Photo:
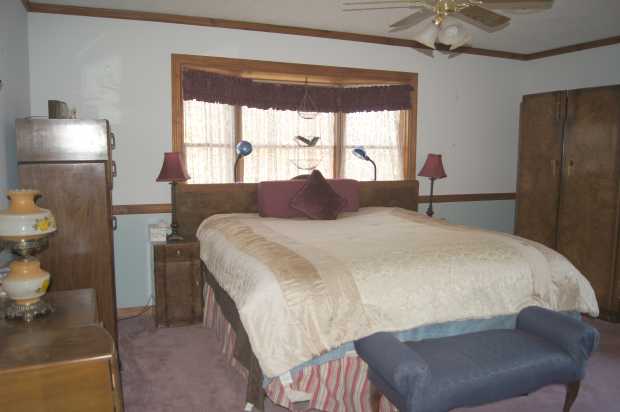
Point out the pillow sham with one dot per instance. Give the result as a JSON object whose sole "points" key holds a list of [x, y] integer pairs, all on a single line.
{"points": [[274, 197], [317, 199]]}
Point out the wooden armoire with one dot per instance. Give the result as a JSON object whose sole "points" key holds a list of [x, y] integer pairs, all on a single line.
{"points": [[568, 195], [69, 162]]}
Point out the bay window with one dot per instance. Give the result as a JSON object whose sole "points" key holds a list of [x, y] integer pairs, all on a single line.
{"points": [[212, 126]]}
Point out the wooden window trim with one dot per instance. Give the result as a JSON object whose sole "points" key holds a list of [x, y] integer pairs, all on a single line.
{"points": [[295, 73]]}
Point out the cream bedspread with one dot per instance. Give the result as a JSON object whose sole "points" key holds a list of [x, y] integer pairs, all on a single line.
{"points": [[304, 287]]}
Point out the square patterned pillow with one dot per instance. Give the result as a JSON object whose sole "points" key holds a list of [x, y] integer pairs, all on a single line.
{"points": [[317, 199]]}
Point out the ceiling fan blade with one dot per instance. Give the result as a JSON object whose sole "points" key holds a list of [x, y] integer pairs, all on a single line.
{"points": [[410, 21], [379, 8], [486, 18], [364, 3]]}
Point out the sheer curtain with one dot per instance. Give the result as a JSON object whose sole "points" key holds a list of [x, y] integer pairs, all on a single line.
{"points": [[381, 134], [277, 155], [209, 137]]}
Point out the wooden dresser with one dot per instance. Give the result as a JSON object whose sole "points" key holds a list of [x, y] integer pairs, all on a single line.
{"points": [[178, 282], [69, 162], [62, 362]]}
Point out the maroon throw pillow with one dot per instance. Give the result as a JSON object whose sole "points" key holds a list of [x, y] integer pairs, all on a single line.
{"points": [[317, 199]]}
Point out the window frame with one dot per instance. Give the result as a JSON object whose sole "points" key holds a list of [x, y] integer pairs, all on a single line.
{"points": [[296, 73]]}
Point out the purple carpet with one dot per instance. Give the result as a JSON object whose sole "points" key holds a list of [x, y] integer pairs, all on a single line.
{"points": [[181, 369]]}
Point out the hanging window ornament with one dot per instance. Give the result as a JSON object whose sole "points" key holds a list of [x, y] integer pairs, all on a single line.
{"points": [[307, 109], [308, 153]]}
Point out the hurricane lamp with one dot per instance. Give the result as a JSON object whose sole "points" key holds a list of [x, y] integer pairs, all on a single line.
{"points": [[25, 228]]}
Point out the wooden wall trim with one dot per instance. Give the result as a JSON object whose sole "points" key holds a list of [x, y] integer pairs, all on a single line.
{"points": [[251, 26], [36, 7], [574, 48], [141, 209], [473, 197], [124, 313], [151, 208]]}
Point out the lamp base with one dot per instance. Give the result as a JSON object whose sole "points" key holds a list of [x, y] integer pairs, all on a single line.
{"points": [[174, 237], [28, 311]]}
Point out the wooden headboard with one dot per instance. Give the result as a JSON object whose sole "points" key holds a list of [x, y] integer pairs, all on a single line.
{"points": [[194, 203]]}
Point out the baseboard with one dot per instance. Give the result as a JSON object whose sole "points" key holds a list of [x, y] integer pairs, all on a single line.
{"points": [[124, 313]]}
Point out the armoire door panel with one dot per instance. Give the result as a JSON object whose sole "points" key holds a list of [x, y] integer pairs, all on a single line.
{"points": [[540, 156], [588, 216], [80, 252]]}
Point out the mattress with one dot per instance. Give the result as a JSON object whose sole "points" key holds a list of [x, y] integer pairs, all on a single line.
{"points": [[304, 287]]}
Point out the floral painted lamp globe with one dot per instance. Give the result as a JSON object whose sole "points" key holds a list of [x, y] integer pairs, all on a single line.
{"points": [[25, 227]]}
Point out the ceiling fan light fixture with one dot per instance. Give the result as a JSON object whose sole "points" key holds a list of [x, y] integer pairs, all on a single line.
{"points": [[428, 36], [464, 41], [451, 34]]}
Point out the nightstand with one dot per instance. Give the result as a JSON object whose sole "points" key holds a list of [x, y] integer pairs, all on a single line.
{"points": [[178, 284]]}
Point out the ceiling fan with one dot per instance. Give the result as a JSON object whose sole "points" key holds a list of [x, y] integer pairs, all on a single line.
{"points": [[450, 34]]}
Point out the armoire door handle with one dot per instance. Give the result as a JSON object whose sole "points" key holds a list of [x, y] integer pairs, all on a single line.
{"points": [[570, 168]]}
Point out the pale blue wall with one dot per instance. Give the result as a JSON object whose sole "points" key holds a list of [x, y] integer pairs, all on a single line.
{"points": [[134, 257], [493, 215]]}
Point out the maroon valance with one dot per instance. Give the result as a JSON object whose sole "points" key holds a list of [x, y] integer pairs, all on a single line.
{"points": [[237, 91]]}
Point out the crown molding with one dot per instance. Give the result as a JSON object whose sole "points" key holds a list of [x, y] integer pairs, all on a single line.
{"points": [[36, 7], [609, 41], [251, 26]]}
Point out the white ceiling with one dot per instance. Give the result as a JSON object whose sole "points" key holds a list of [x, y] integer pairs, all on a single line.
{"points": [[568, 22]]}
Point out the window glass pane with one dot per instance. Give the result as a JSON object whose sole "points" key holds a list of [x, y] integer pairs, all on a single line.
{"points": [[277, 154], [380, 134], [209, 137]]}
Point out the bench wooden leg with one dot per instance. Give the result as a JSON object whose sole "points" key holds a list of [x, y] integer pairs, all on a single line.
{"points": [[375, 398], [572, 390]]}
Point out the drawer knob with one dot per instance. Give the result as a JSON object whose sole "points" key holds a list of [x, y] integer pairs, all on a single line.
{"points": [[178, 252]]}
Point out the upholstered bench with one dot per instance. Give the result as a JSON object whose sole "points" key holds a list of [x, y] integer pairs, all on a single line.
{"points": [[437, 375]]}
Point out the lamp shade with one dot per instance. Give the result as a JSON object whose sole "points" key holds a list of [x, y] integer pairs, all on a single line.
{"points": [[360, 153], [173, 169], [24, 219], [452, 34], [243, 148], [433, 167], [428, 36]]}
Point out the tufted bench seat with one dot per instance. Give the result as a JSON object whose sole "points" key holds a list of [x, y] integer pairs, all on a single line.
{"points": [[437, 375]]}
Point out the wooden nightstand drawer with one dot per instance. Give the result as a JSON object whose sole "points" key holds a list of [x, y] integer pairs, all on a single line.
{"points": [[178, 284], [180, 252]]}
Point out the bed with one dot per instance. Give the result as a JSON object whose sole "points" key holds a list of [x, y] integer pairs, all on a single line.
{"points": [[290, 295]]}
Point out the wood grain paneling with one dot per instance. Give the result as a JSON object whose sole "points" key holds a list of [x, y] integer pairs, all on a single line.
{"points": [[79, 256], [138, 209], [141, 209], [178, 284], [540, 155], [589, 198], [37, 7]]}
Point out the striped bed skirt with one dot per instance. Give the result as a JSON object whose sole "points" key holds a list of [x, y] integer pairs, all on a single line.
{"points": [[339, 385]]}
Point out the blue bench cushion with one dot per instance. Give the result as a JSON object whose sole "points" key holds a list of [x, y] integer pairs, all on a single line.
{"points": [[483, 367]]}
